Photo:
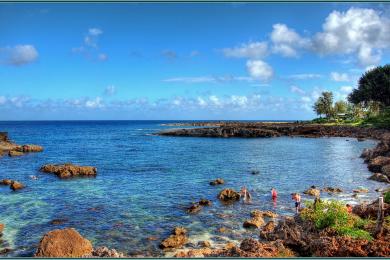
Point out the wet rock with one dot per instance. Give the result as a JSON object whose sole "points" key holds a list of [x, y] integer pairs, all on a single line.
{"points": [[332, 190], [194, 208], [58, 221], [386, 170], [15, 185], [1, 229], [6, 182], [204, 202], [106, 252], [268, 228], [360, 190], [312, 192], [63, 243], [379, 177], [69, 170], [255, 222], [218, 181], [176, 240], [152, 238], [255, 172], [376, 164], [204, 244], [14, 153], [29, 148], [229, 195]]}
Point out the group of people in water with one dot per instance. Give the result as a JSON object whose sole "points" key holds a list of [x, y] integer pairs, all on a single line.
{"points": [[296, 197]]}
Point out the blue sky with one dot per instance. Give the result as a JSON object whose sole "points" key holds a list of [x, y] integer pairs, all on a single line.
{"points": [[183, 60]]}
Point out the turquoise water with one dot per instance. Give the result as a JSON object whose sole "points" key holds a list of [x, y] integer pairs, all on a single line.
{"points": [[145, 182]]}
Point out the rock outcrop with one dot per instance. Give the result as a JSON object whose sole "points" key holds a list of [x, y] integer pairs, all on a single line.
{"points": [[176, 240], [194, 208], [229, 195], [379, 177], [312, 192], [69, 170], [12, 149], [15, 185], [218, 181], [14, 153], [332, 190], [204, 202], [64, 243]]}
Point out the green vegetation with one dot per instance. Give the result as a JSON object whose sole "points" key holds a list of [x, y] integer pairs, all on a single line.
{"points": [[369, 104], [333, 214], [387, 197]]}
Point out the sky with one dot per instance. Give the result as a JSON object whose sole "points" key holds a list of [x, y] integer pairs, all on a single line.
{"points": [[184, 61]]}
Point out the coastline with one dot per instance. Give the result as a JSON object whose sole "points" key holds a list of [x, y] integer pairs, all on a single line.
{"points": [[296, 130]]}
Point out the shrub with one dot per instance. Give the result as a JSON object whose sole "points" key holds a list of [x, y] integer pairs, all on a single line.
{"points": [[387, 197], [333, 214]]}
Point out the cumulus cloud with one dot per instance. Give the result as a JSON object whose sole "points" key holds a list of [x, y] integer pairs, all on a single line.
{"points": [[346, 89], [18, 55], [251, 50], [286, 41], [361, 31], [209, 79], [259, 70], [339, 77]]}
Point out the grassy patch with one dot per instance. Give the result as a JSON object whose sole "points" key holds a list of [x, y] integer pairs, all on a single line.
{"points": [[333, 214]]}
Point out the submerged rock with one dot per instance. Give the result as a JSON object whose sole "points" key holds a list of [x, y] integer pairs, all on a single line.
{"points": [[229, 195], [255, 172], [218, 181], [177, 239], [204, 202], [194, 208], [69, 170], [58, 221], [254, 222], [63, 243]]}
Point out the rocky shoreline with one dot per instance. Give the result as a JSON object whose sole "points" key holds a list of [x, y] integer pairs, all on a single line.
{"points": [[282, 236]]}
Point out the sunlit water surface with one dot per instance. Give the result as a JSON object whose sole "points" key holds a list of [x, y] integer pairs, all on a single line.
{"points": [[145, 181]]}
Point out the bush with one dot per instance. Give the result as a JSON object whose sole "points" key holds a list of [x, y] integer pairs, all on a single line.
{"points": [[387, 197], [333, 214]]}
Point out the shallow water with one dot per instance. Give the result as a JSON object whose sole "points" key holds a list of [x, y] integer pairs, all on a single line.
{"points": [[145, 182]]}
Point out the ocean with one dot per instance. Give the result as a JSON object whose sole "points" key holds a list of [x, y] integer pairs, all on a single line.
{"points": [[145, 182]]}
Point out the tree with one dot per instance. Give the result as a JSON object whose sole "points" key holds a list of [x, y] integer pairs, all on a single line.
{"points": [[340, 107], [324, 105], [374, 85]]}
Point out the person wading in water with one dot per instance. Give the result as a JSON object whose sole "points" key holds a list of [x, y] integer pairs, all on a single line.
{"points": [[245, 195], [297, 198]]}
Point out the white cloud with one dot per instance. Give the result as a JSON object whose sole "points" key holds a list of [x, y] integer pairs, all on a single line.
{"points": [[298, 90], [90, 47], [209, 79], [94, 103], [359, 31], [339, 77], [304, 76], [251, 50], [286, 41], [259, 70], [18, 55], [110, 90]]}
